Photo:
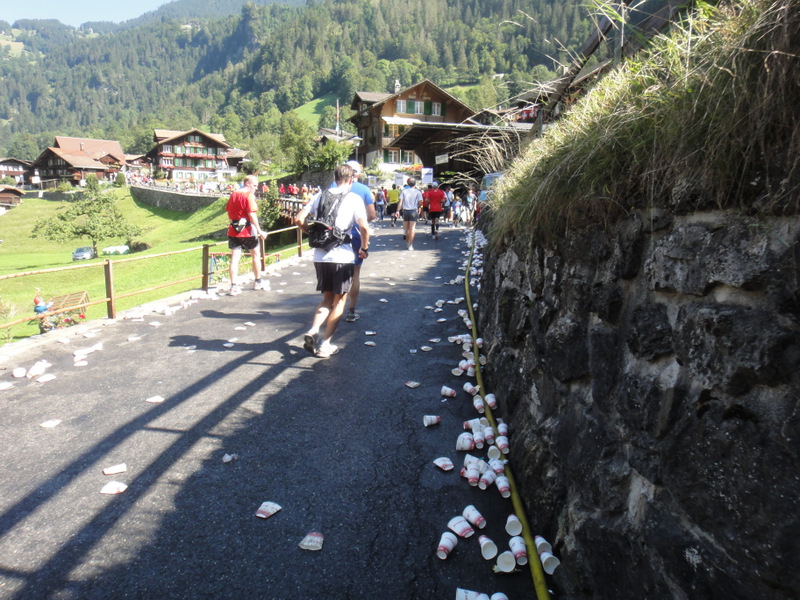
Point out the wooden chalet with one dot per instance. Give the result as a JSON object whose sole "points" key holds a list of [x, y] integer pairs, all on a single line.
{"points": [[73, 159], [9, 197], [382, 118], [14, 168], [192, 155]]}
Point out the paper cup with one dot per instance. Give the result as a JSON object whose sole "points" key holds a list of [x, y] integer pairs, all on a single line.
{"points": [[497, 465], [460, 527], [470, 371], [487, 479], [470, 389], [513, 525], [502, 443], [549, 562], [488, 435], [542, 545], [488, 548], [491, 400], [518, 549], [448, 392], [503, 486], [506, 562], [472, 515], [479, 439], [465, 441], [494, 452], [429, 420], [499, 596], [473, 474], [447, 542], [472, 424], [477, 402], [502, 428]]}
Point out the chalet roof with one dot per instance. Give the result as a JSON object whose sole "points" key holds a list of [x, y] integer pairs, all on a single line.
{"points": [[10, 159], [237, 153], [370, 97], [10, 189], [163, 136], [330, 134], [89, 147], [415, 135], [424, 83], [79, 161]]}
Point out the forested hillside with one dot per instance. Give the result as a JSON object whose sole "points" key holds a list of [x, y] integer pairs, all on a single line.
{"points": [[237, 75]]}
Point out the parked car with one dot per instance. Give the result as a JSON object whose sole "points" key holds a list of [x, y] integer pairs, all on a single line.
{"points": [[84, 253], [486, 183]]}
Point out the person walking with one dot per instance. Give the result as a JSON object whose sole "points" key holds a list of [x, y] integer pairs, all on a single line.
{"points": [[380, 202], [393, 196], [335, 267], [436, 199], [410, 201], [243, 233]]}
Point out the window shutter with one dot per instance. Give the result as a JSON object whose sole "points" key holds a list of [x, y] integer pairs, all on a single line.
{"points": [[428, 107], [385, 130], [443, 105], [386, 155]]}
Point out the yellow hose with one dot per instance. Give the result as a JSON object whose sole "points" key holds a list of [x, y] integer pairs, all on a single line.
{"points": [[537, 572]]}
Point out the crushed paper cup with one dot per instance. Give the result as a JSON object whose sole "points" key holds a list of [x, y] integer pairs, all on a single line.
{"points": [[240, 328], [444, 463], [50, 423], [116, 469], [228, 345], [19, 372], [383, 300], [267, 509], [312, 541], [370, 333], [155, 399], [370, 343], [428, 308], [412, 384], [114, 487], [435, 340], [426, 348], [6, 385], [429, 420], [465, 442], [230, 457], [80, 363], [442, 320], [154, 324], [45, 378], [457, 372]]}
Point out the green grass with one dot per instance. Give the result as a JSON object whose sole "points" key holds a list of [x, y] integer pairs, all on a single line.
{"points": [[311, 111], [163, 230]]}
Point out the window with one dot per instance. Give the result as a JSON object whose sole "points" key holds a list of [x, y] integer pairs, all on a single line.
{"points": [[408, 157], [178, 162], [210, 164], [436, 109], [394, 156], [419, 107], [401, 106], [166, 162], [167, 148]]}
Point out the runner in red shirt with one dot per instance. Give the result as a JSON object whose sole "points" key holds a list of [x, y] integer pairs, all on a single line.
{"points": [[435, 204]]}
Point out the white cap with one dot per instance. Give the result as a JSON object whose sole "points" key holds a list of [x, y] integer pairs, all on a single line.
{"points": [[355, 165]]}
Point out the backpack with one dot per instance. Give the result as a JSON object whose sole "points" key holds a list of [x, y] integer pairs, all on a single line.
{"points": [[322, 231]]}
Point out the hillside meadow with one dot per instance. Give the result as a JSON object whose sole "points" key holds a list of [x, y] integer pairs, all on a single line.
{"points": [[163, 230]]}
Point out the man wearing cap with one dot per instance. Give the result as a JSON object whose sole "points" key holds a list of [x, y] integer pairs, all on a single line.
{"points": [[335, 267], [410, 200], [363, 192]]}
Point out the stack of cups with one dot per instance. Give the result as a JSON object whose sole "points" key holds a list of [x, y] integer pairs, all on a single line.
{"points": [[549, 562]]}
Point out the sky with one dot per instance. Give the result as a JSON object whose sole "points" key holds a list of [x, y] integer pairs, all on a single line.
{"points": [[75, 12]]}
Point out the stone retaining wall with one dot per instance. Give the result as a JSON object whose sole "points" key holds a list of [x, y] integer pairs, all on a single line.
{"points": [[172, 200], [650, 377]]}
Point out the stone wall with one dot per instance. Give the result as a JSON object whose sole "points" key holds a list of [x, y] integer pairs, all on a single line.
{"points": [[650, 377], [172, 200]]}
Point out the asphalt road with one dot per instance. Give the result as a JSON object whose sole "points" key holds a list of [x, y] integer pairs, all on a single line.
{"points": [[339, 444]]}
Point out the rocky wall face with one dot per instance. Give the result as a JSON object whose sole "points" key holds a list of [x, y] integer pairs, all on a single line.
{"points": [[650, 374]]}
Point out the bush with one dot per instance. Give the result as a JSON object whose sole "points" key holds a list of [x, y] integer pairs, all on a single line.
{"points": [[120, 180]]}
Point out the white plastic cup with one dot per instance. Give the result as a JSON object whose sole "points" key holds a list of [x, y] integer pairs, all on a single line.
{"points": [[460, 527], [502, 428], [491, 400], [502, 443], [448, 392], [499, 596], [469, 388], [469, 459], [465, 441], [487, 479], [473, 515], [470, 371], [488, 548], [488, 435], [479, 342], [513, 525], [496, 465], [494, 452], [473, 474], [503, 486], [506, 562], [447, 542], [542, 545], [472, 424], [429, 420], [477, 402], [479, 439], [462, 594], [549, 562], [518, 549]]}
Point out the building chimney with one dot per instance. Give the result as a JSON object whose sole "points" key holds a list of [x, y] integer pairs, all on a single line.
{"points": [[81, 146], [396, 85]]}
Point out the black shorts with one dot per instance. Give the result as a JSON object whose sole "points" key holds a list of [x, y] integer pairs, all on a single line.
{"points": [[246, 243], [334, 277], [410, 215], [434, 214]]}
